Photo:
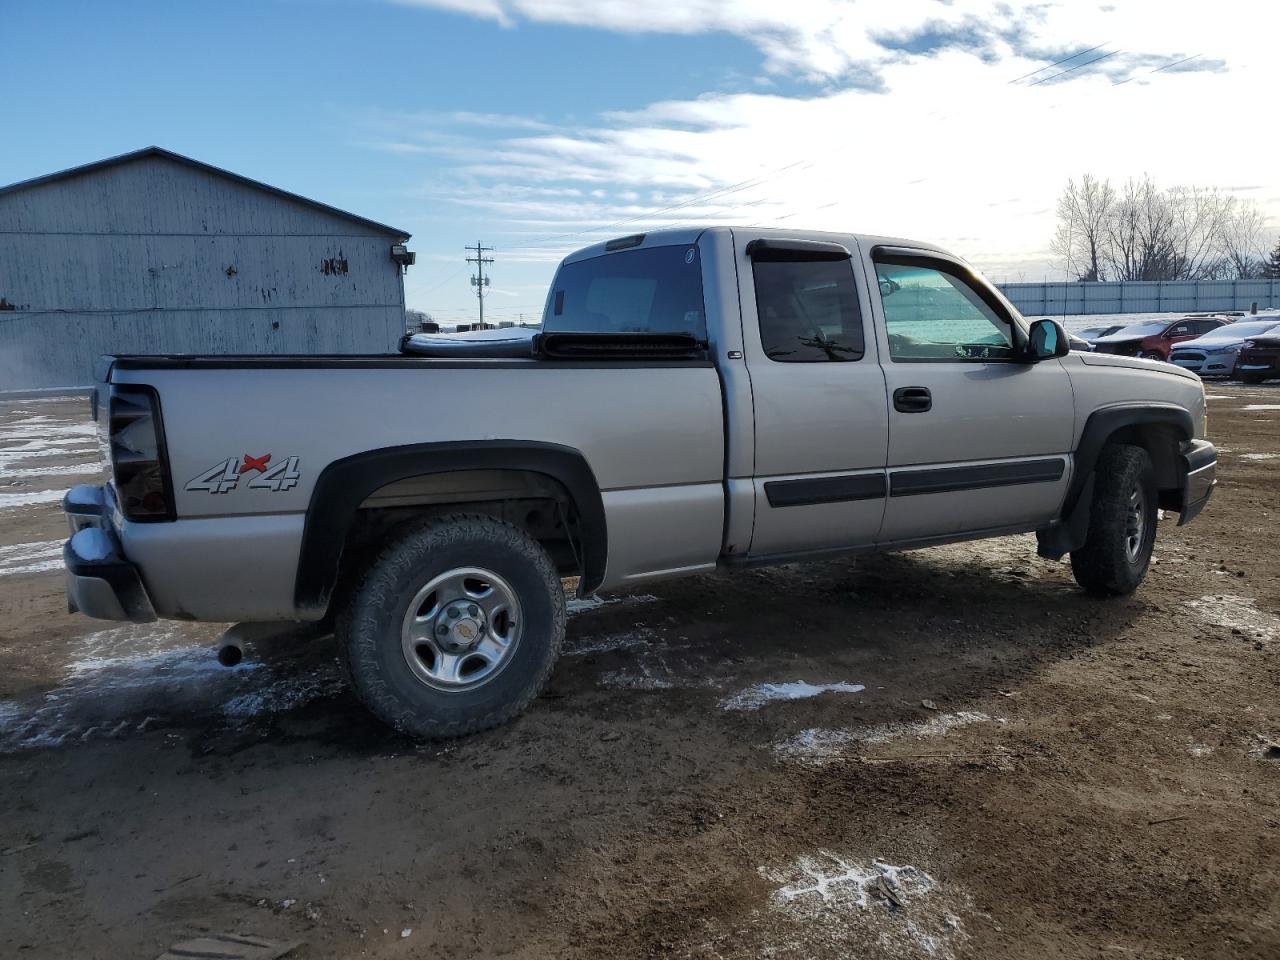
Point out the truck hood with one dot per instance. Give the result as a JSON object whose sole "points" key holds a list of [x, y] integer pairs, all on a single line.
{"points": [[1134, 363]]}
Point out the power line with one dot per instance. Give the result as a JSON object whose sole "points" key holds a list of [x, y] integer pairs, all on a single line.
{"points": [[1158, 69], [1078, 66], [1057, 62]]}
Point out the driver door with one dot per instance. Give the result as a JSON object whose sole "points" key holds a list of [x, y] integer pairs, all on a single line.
{"points": [[978, 438]]}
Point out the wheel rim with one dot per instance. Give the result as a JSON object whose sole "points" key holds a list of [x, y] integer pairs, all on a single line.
{"points": [[461, 629], [1135, 525]]}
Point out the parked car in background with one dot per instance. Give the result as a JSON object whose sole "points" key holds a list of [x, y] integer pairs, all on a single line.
{"points": [[1214, 354], [1078, 342], [1259, 359], [1093, 333], [1154, 340]]}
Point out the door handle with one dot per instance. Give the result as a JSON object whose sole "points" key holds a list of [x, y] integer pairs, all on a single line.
{"points": [[912, 400]]}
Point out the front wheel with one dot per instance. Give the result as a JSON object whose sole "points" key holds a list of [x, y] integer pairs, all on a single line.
{"points": [[1252, 378], [1150, 355], [454, 627], [1122, 523]]}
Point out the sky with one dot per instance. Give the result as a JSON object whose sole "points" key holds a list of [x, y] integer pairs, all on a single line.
{"points": [[541, 126]]}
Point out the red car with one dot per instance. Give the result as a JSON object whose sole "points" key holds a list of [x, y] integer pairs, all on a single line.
{"points": [[1260, 359], [1153, 340]]}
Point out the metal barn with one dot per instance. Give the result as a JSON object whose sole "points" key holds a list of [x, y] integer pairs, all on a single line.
{"points": [[153, 252]]}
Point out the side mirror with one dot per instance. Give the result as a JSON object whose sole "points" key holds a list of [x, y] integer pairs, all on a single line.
{"points": [[1045, 340]]}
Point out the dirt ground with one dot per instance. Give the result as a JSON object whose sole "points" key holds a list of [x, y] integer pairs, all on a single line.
{"points": [[1002, 767]]}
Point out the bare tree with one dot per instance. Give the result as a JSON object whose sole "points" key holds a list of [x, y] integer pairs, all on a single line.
{"points": [[1141, 232], [1241, 244], [1083, 215], [1200, 215]]}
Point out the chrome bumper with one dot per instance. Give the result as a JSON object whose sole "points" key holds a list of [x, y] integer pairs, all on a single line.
{"points": [[101, 583]]}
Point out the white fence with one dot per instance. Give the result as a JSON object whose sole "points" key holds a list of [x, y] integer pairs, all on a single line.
{"points": [[1142, 296]]}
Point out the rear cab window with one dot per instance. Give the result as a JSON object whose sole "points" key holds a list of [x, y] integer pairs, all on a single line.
{"points": [[808, 311], [644, 290]]}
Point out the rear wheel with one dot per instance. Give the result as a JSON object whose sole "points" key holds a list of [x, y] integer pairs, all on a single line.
{"points": [[1254, 378], [454, 627], [1122, 523]]}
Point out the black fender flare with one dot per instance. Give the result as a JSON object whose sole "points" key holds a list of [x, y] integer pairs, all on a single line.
{"points": [[345, 484], [1069, 532]]}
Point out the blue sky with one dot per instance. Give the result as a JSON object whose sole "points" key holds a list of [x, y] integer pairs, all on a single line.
{"points": [[532, 124]]}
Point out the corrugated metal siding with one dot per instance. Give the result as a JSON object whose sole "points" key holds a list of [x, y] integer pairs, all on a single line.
{"points": [[1142, 296], [155, 257]]}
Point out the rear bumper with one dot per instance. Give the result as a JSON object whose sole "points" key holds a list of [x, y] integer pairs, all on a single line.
{"points": [[101, 583], [1200, 463]]}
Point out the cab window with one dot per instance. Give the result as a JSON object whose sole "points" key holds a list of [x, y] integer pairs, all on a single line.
{"points": [[808, 311], [935, 315], [647, 290]]}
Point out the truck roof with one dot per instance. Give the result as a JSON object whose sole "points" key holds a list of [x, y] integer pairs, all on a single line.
{"points": [[690, 235]]}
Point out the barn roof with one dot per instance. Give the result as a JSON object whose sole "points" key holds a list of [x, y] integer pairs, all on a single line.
{"points": [[161, 153]]}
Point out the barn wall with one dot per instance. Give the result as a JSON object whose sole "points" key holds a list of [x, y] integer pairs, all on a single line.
{"points": [[155, 257]]}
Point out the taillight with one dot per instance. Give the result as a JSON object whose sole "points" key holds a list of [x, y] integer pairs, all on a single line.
{"points": [[138, 460]]}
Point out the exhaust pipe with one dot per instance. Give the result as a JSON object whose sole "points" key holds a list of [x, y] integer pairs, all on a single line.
{"points": [[253, 637], [230, 654]]}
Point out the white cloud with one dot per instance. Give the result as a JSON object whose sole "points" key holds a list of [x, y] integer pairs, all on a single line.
{"points": [[919, 126]]}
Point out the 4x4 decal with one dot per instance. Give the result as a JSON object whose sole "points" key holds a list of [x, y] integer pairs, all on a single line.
{"points": [[225, 476]]}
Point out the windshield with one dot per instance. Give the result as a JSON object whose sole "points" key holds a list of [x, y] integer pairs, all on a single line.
{"points": [[649, 290], [1240, 331], [1138, 330]]}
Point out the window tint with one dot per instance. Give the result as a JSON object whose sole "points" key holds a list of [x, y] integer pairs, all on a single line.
{"points": [[808, 311], [932, 315], [650, 290]]}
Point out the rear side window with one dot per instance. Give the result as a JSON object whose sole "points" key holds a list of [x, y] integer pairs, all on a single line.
{"points": [[808, 311], [650, 290]]}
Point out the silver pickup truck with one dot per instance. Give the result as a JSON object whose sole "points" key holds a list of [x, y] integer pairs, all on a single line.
{"points": [[696, 399]]}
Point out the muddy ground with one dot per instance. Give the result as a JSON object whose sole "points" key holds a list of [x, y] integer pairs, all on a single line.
{"points": [[1004, 768]]}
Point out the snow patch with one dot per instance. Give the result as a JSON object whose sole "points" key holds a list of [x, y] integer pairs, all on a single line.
{"points": [[46, 428], [819, 745], [72, 470], [609, 642], [31, 498], [125, 680], [1236, 613], [1262, 406], [576, 605], [34, 557], [901, 909], [1259, 456], [753, 698], [284, 693], [645, 679]]}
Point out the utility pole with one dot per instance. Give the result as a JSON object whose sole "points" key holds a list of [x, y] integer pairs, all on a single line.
{"points": [[479, 280]]}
